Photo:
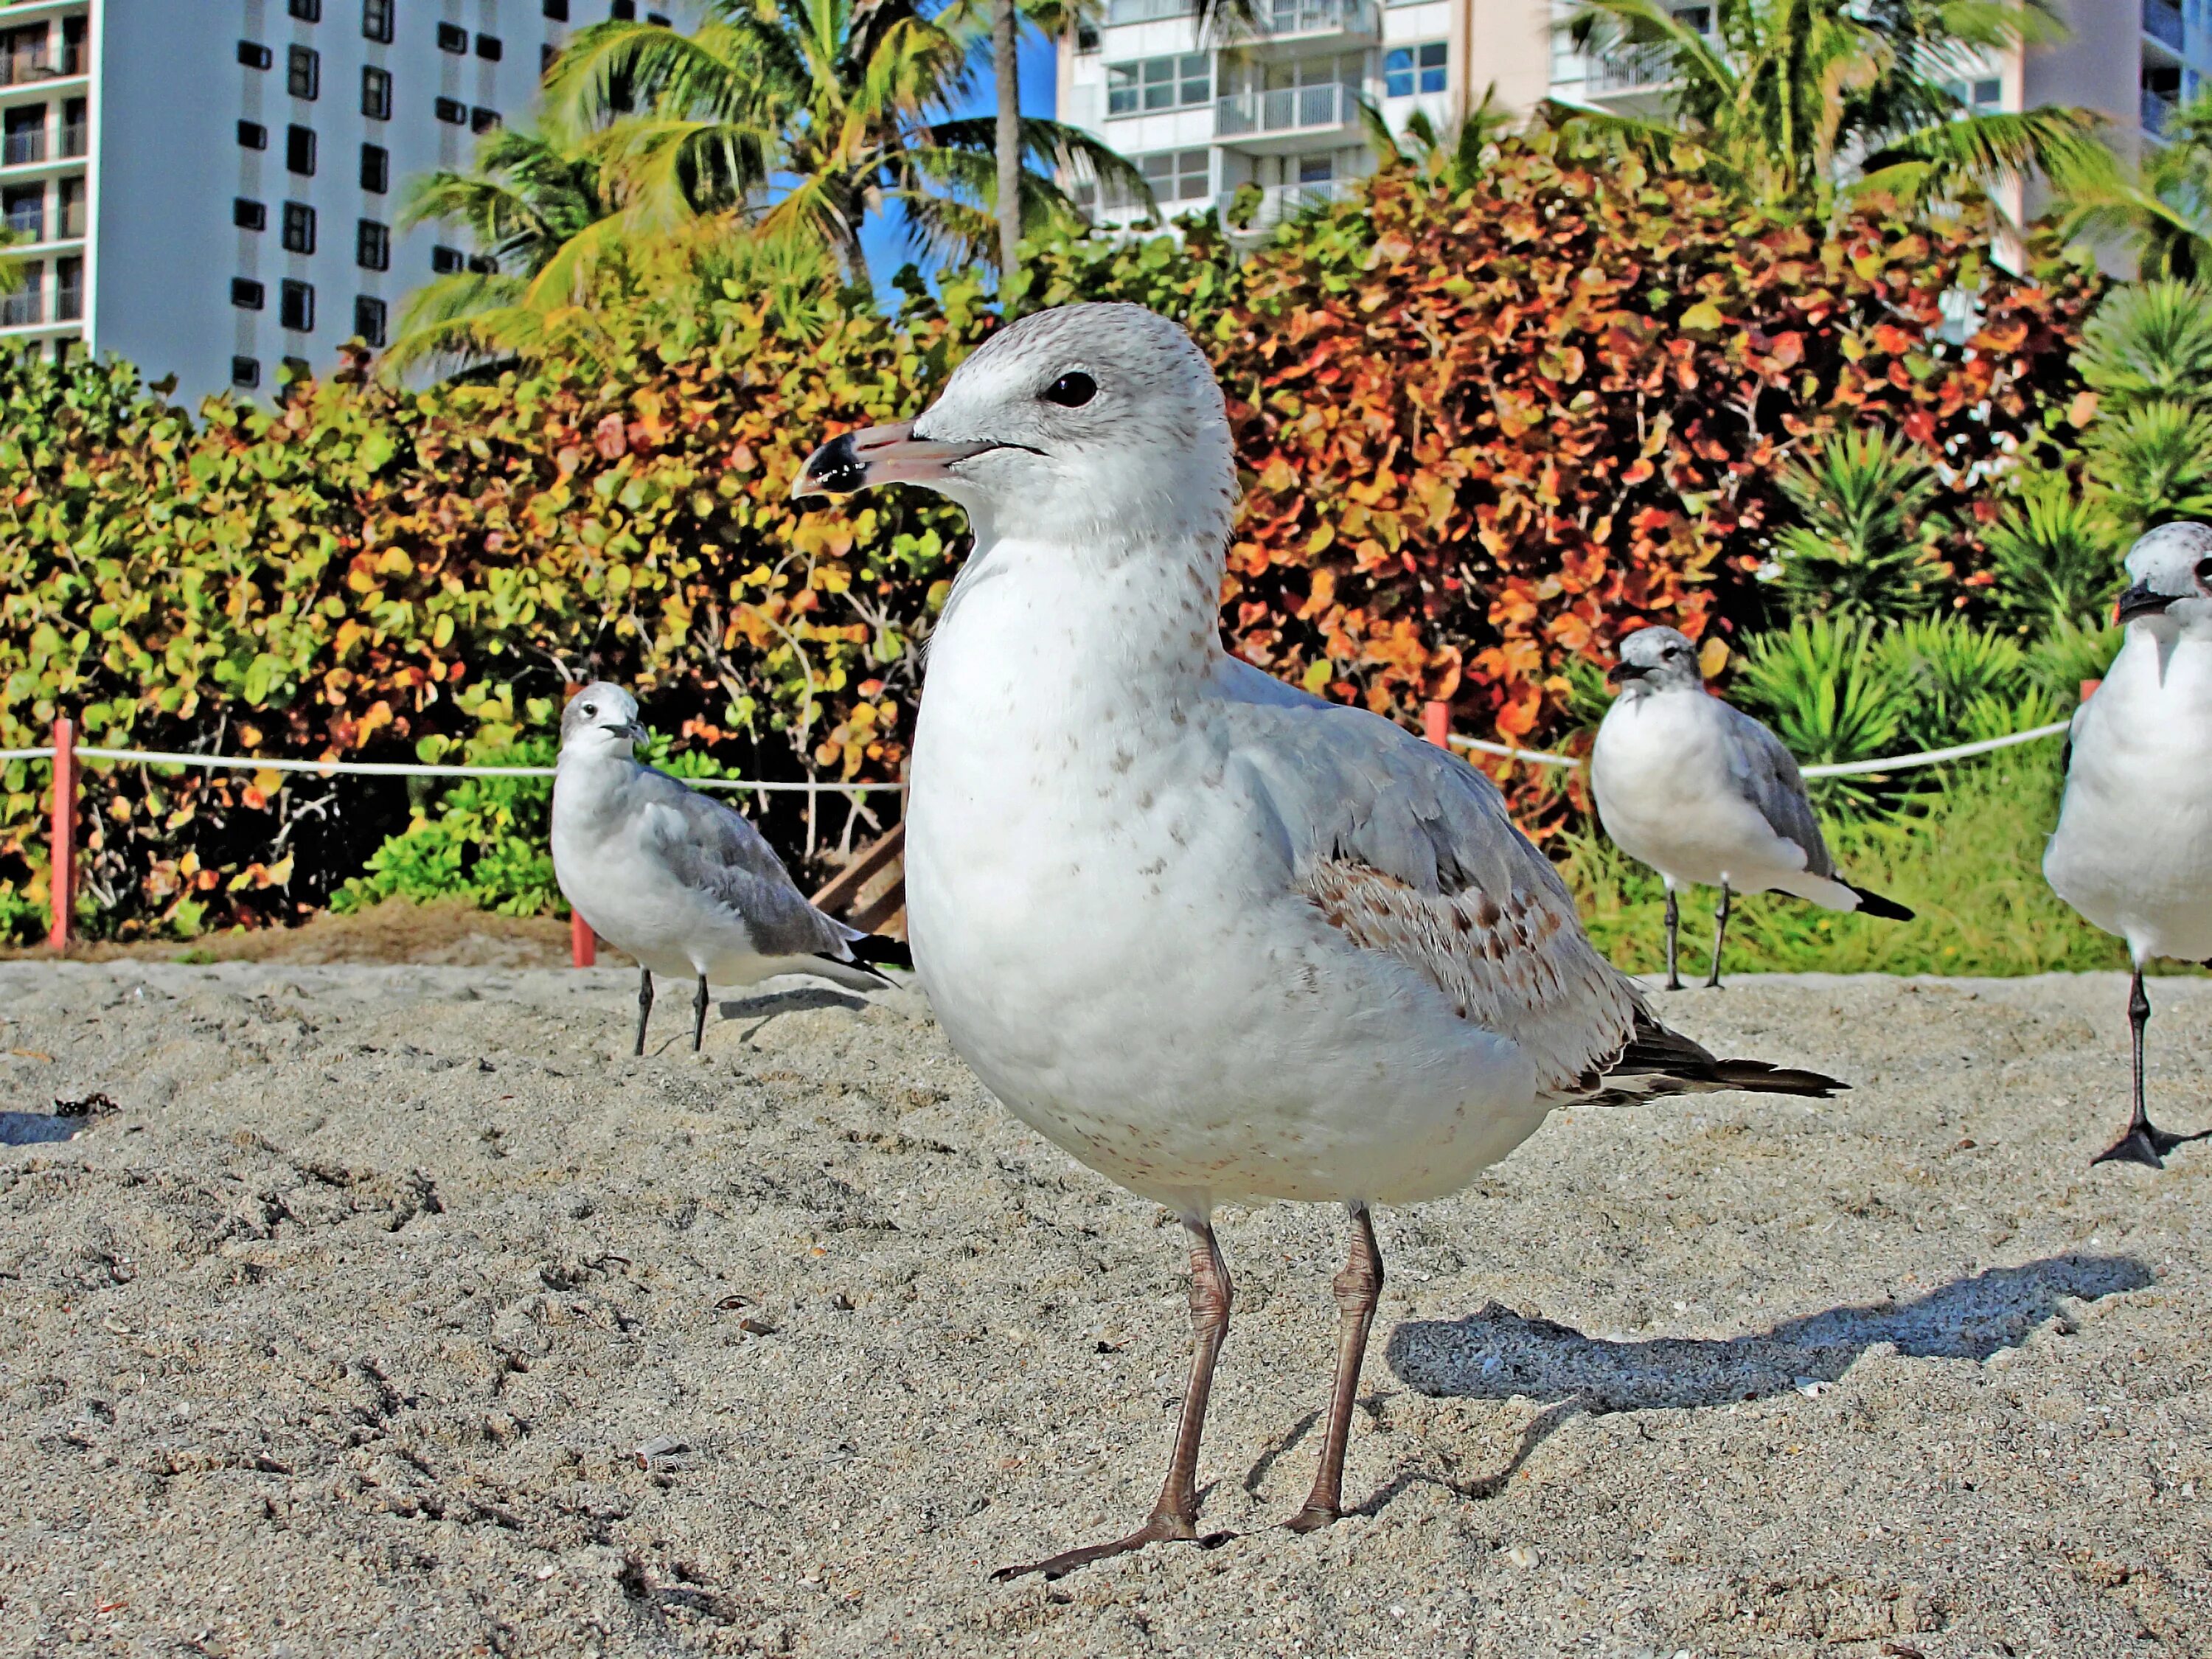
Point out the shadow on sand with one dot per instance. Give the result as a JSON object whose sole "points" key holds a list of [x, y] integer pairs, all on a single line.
{"points": [[1496, 1353]]}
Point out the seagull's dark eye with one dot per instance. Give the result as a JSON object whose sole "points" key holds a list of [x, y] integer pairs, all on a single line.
{"points": [[2205, 570], [1072, 390], [591, 711]]}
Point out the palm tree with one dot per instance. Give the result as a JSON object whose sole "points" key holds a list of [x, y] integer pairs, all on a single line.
{"points": [[1450, 158], [1784, 97], [2162, 209], [801, 117]]}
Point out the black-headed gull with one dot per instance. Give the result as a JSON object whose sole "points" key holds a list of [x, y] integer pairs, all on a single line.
{"points": [[1703, 792], [1218, 939], [2133, 848], [676, 879]]}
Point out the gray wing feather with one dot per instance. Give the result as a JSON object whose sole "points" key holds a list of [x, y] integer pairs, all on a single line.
{"points": [[715, 852], [1409, 850], [1766, 774]]}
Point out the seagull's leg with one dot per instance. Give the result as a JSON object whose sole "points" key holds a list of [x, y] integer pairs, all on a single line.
{"points": [[644, 1004], [1720, 933], [1358, 1288], [699, 1016], [1674, 935], [2144, 1142], [1175, 1517]]}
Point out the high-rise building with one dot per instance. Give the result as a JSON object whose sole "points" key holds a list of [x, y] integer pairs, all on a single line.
{"points": [[210, 188], [1281, 108]]}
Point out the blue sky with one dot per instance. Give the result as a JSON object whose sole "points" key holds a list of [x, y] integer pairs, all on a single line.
{"points": [[886, 248]]}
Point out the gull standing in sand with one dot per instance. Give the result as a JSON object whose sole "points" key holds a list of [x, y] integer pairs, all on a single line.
{"points": [[678, 880], [1701, 792], [2133, 848], [1218, 939]]}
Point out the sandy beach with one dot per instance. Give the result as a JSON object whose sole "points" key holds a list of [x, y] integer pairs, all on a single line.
{"points": [[400, 1311]]}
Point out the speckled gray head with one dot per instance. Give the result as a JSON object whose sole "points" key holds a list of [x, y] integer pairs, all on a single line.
{"points": [[1082, 423], [1657, 659], [2171, 567], [601, 719]]}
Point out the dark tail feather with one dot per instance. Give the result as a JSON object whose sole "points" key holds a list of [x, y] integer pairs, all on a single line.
{"points": [[881, 951], [1875, 904], [1757, 1077], [1657, 1062]]}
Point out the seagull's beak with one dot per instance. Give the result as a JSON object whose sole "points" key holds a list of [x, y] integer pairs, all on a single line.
{"points": [[1621, 672], [633, 730], [2142, 600], [881, 455]]}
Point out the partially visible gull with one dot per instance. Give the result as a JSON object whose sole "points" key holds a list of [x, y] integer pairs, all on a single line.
{"points": [[2133, 848], [676, 879], [1218, 939], [1701, 792]]}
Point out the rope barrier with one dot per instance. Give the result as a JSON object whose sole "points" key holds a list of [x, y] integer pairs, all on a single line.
{"points": [[1832, 769], [398, 768]]}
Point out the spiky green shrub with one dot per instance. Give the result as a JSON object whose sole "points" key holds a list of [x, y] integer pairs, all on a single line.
{"points": [[2054, 554], [1866, 543]]}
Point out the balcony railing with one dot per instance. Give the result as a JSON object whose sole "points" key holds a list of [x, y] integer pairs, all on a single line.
{"points": [[27, 223], [74, 134], [1281, 202], [27, 304], [1285, 109], [1147, 11], [2162, 22], [1278, 19], [2157, 111], [69, 291], [18, 148], [1626, 71]]}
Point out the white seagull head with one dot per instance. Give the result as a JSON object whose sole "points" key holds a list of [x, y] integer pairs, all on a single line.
{"points": [[1083, 425], [1657, 659], [2171, 572], [600, 720]]}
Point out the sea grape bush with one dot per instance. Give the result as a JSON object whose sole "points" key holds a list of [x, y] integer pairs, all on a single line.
{"points": [[1482, 434]]}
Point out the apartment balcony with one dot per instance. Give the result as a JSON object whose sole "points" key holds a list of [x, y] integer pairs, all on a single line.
{"points": [[1624, 74], [22, 150], [2156, 110], [1286, 118], [1302, 23], [1119, 12], [1280, 202], [2161, 21]]}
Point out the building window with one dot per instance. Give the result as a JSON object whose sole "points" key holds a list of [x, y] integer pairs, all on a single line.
{"points": [[452, 112], [307, 11], [368, 320], [1176, 175], [73, 58], [25, 136], [69, 290], [27, 304], [372, 246], [623, 11], [25, 207], [658, 18], [376, 22], [1086, 37], [1409, 69], [375, 169], [482, 119], [247, 214], [295, 369], [484, 264], [375, 92], [23, 56], [453, 37], [252, 135], [1158, 84], [447, 260], [245, 372], [303, 72], [76, 127], [557, 10], [75, 220], [247, 294], [488, 48], [295, 306], [254, 55], [300, 151], [548, 55], [1316, 169], [299, 228]]}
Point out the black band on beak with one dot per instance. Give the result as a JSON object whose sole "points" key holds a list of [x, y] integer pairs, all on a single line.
{"points": [[1621, 672], [2142, 600], [835, 469]]}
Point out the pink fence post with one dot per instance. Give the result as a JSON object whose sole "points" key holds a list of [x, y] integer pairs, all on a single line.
{"points": [[64, 878], [2089, 689], [1436, 722], [583, 943]]}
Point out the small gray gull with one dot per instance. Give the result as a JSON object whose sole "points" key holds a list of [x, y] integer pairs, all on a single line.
{"points": [[1701, 792], [1218, 939], [2133, 848], [676, 879]]}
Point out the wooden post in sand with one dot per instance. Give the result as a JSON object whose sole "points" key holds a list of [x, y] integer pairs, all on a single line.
{"points": [[62, 880], [583, 943], [1436, 722]]}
